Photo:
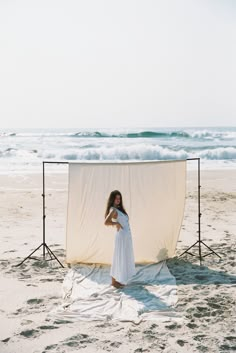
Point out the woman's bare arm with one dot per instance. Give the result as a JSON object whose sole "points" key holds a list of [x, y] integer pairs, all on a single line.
{"points": [[108, 220]]}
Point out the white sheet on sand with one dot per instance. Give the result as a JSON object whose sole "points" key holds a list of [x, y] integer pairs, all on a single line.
{"points": [[87, 294]]}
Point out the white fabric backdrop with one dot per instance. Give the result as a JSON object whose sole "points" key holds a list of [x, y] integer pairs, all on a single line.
{"points": [[153, 195]]}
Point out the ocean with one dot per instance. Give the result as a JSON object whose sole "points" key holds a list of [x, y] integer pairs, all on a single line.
{"points": [[23, 150]]}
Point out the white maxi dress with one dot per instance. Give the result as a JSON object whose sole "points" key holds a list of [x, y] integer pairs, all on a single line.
{"points": [[123, 263]]}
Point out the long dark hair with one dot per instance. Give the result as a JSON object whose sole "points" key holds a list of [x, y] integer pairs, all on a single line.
{"points": [[111, 200]]}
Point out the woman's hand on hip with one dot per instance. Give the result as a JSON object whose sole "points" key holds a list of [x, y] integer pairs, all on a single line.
{"points": [[118, 226]]}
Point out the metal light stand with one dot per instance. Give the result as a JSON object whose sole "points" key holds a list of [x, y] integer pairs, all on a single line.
{"points": [[199, 241], [44, 245]]}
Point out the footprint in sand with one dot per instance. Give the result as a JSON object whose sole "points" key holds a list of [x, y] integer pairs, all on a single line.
{"points": [[30, 333], [34, 301]]}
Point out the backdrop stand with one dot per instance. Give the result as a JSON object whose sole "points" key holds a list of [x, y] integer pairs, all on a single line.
{"points": [[44, 245], [53, 256], [199, 241]]}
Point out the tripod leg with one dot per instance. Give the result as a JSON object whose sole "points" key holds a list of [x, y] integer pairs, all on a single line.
{"points": [[29, 255], [49, 250], [210, 248], [188, 249]]}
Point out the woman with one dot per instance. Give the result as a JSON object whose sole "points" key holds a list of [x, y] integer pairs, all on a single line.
{"points": [[123, 265]]}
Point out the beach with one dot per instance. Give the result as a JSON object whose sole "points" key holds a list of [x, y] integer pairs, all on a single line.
{"points": [[206, 293], [97, 82]]}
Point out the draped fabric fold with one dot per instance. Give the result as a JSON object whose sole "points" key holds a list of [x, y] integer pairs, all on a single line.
{"points": [[88, 295]]}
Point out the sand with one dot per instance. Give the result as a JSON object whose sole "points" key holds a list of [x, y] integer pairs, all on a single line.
{"points": [[206, 292]]}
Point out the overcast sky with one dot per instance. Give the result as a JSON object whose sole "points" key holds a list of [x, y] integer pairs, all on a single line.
{"points": [[95, 63]]}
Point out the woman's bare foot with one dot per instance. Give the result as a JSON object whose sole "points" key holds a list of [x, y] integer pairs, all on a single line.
{"points": [[116, 283]]}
